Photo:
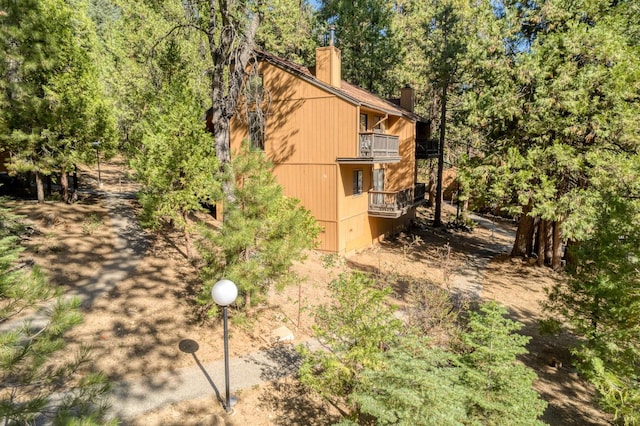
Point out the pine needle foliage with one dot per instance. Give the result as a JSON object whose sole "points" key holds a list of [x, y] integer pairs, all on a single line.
{"points": [[38, 381], [378, 371], [480, 383], [176, 161], [263, 233], [353, 331], [417, 386], [601, 301], [53, 103], [499, 387]]}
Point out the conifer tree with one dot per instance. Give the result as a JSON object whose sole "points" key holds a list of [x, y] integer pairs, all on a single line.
{"points": [[52, 97], [288, 29], [601, 302], [567, 104], [355, 331], [263, 233], [417, 385], [367, 40], [373, 367], [175, 161], [498, 386]]}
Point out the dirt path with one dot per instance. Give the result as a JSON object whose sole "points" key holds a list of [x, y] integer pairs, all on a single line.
{"points": [[129, 247], [466, 283]]}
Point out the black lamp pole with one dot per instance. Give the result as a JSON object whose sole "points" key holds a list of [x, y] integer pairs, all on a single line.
{"points": [[224, 292], [227, 404]]}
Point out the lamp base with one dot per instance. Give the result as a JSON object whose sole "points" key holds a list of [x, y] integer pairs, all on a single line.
{"points": [[232, 402]]}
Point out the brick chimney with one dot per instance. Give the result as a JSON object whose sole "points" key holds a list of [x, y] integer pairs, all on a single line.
{"points": [[329, 62], [407, 97]]}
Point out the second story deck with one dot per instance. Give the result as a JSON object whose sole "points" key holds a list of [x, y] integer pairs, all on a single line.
{"points": [[374, 147], [393, 204]]}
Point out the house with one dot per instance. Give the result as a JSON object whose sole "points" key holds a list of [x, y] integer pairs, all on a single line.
{"points": [[348, 155]]}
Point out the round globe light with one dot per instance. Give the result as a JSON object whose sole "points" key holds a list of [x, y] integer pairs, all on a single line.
{"points": [[224, 292]]}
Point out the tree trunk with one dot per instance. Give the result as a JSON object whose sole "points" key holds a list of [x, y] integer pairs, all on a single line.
{"points": [[557, 244], [432, 186], [570, 260], [542, 237], [75, 178], [524, 234], [531, 245], [64, 183], [187, 237], [231, 35], [437, 217], [39, 188], [548, 243], [222, 138]]}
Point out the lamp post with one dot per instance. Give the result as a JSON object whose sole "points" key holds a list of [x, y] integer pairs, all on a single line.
{"points": [[96, 145], [224, 292]]}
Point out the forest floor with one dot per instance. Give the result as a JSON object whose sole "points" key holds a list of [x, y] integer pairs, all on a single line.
{"points": [[139, 325]]}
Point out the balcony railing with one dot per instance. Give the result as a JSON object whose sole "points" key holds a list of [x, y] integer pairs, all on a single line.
{"points": [[378, 145], [396, 203], [426, 148]]}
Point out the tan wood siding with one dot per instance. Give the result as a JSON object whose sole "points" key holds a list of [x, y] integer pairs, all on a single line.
{"points": [[402, 175], [356, 233], [349, 204], [313, 185], [328, 238]]}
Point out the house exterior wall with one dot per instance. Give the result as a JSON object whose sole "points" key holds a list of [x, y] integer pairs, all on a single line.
{"points": [[353, 226], [304, 126], [306, 129], [402, 175]]}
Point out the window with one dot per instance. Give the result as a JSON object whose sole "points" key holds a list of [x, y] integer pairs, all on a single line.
{"points": [[378, 187], [379, 124], [256, 130], [364, 122], [357, 182], [255, 88]]}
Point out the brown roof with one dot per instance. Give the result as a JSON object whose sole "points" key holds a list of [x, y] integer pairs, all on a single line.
{"points": [[347, 91], [283, 63]]}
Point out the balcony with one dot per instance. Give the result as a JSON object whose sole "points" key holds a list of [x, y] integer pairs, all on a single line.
{"points": [[426, 148], [375, 147], [393, 204]]}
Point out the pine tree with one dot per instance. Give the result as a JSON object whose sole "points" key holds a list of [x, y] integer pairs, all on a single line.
{"points": [[367, 40], [417, 385], [446, 43], [50, 88], [601, 302], [567, 104], [288, 29], [499, 387], [175, 161], [413, 382], [355, 331], [263, 233]]}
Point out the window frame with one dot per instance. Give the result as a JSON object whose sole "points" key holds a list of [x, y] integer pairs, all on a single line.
{"points": [[364, 126], [358, 182], [379, 126], [255, 127]]}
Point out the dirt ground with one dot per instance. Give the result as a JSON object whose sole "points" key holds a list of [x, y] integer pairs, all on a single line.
{"points": [[136, 328]]}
